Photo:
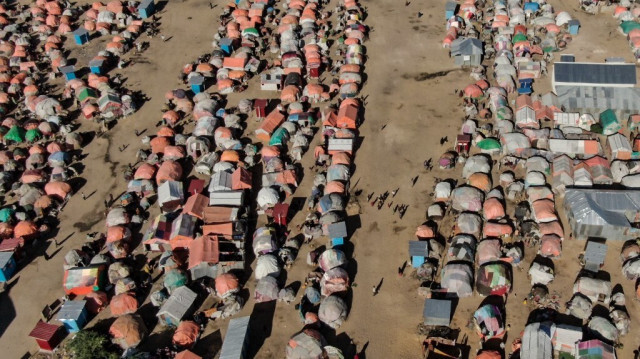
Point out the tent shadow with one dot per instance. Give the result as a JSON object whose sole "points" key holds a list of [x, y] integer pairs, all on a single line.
{"points": [[261, 324], [8, 309], [209, 346]]}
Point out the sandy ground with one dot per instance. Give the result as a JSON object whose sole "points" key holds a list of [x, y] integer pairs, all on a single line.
{"points": [[409, 88]]}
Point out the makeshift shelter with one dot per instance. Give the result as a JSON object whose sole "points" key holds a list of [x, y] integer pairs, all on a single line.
{"points": [[457, 278], [177, 307], [437, 312], [493, 278], [48, 336], [124, 303], [467, 199], [8, 266], [332, 311], [74, 315], [128, 331], [489, 322], [565, 337], [83, 280], [536, 341], [609, 122], [594, 289], [594, 256], [467, 51], [594, 348], [235, 344], [186, 334], [419, 252], [603, 213], [619, 146], [307, 344], [182, 231], [170, 195]]}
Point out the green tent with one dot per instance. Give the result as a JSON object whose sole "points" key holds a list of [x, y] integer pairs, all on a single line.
{"points": [[85, 93], [33, 135], [609, 122], [489, 144], [279, 137], [252, 31], [174, 279], [6, 214], [15, 134], [627, 26], [519, 37]]}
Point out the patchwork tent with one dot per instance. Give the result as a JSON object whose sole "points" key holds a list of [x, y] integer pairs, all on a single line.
{"points": [[457, 278], [493, 278], [489, 322]]}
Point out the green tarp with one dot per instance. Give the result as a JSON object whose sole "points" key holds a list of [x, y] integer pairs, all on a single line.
{"points": [[627, 26], [33, 135], [174, 279], [489, 144], [279, 137], [15, 134], [609, 122], [6, 214], [86, 93], [519, 37]]}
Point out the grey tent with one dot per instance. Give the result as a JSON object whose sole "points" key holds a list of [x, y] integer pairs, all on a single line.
{"points": [[177, 306], [332, 311], [536, 341], [266, 289], [437, 312], [457, 278], [307, 344]]}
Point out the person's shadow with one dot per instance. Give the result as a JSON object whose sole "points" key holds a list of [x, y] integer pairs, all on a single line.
{"points": [[362, 353]]}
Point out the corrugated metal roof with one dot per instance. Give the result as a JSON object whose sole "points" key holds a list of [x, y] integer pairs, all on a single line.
{"points": [[466, 46], [234, 340], [71, 310], [437, 312], [179, 303], [594, 99], [536, 341], [419, 248], [595, 252], [337, 230], [592, 73], [602, 207], [44, 331]]}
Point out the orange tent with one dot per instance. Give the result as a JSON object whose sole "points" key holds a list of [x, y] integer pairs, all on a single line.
{"points": [[25, 229], [186, 334], [145, 171], [290, 93], [195, 205], [553, 227], [217, 214], [165, 131], [493, 229], [171, 118], [270, 151], [241, 179], [225, 229], [59, 190], [273, 120], [481, 181], [31, 176], [473, 91], [124, 303], [186, 354], [172, 152], [158, 144], [203, 249], [347, 117], [544, 210], [492, 209], [489, 354], [334, 187], [341, 158], [118, 233], [230, 156], [225, 283], [424, 231], [169, 171], [550, 245], [54, 147]]}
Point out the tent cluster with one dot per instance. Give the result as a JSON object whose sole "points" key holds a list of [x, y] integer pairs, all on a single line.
{"points": [[323, 301], [628, 15]]}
